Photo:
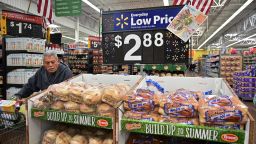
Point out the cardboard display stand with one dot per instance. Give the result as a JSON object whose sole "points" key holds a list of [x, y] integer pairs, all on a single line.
{"points": [[40, 120], [217, 85]]}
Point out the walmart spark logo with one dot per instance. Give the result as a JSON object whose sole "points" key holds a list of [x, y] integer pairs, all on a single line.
{"points": [[122, 21]]}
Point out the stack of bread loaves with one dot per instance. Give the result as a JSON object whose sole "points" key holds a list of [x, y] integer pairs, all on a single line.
{"points": [[178, 107], [80, 97], [71, 135], [222, 111]]}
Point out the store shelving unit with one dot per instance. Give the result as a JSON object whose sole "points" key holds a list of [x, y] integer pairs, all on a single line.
{"points": [[164, 69], [97, 61], [249, 60], [9, 68], [230, 64], [78, 60], [212, 64]]}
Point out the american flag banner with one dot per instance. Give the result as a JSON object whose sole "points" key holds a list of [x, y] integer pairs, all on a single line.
{"points": [[202, 5], [44, 8]]}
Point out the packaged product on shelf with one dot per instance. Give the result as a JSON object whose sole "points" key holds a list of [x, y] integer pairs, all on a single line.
{"points": [[7, 105], [76, 135], [50, 136], [222, 110], [92, 95], [142, 101], [226, 126], [28, 44], [114, 94], [27, 59], [80, 97], [179, 104], [188, 121]]}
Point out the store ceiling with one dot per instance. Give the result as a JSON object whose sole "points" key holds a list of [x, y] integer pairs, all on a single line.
{"points": [[221, 10]]}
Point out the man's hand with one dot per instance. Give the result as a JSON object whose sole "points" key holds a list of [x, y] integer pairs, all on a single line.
{"points": [[22, 101]]}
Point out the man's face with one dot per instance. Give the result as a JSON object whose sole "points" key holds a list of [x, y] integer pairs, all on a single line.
{"points": [[51, 64]]}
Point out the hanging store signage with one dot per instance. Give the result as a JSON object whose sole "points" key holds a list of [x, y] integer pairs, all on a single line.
{"points": [[140, 36], [68, 7], [154, 18], [186, 131], [94, 42], [186, 22], [22, 25], [73, 118]]}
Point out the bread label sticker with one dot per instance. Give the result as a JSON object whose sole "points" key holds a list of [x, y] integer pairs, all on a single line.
{"points": [[229, 138], [102, 123], [220, 101], [223, 116], [39, 114], [179, 110], [132, 126]]}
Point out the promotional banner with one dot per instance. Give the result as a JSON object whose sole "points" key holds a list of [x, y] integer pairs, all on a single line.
{"points": [[186, 22], [155, 18], [140, 36], [73, 118], [184, 130]]}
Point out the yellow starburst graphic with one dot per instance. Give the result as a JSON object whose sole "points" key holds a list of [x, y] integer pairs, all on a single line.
{"points": [[122, 21]]}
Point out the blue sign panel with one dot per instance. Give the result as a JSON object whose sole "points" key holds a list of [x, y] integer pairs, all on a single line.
{"points": [[154, 18]]}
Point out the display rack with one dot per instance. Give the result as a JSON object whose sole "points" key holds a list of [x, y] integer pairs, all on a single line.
{"points": [[78, 60], [98, 67], [212, 65], [184, 131], [229, 65], [164, 69], [249, 60], [42, 119], [19, 63]]}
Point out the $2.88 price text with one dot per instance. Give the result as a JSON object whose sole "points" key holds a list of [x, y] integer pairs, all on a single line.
{"points": [[147, 40]]}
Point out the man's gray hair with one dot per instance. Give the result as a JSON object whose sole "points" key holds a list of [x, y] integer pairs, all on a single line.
{"points": [[50, 53]]}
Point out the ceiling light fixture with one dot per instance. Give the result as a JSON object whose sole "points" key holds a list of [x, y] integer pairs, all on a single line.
{"points": [[226, 22], [166, 2], [241, 40], [91, 5]]}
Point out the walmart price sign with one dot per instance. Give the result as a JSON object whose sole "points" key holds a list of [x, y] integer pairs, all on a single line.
{"points": [[140, 36], [22, 25]]}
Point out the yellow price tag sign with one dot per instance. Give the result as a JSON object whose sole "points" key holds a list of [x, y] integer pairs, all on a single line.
{"points": [[3, 25]]}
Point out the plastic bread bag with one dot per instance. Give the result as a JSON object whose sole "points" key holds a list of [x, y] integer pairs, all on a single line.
{"points": [[76, 92], [188, 121], [50, 136], [179, 105], [227, 126], [60, 91], [222, 109]]}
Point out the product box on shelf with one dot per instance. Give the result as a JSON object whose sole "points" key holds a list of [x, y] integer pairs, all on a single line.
{"points": [[216, 86], [40, 120], [26, 44]]}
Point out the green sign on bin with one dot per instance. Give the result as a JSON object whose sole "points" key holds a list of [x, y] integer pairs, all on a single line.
{"points": [[68, 7], [185, 131], [73, 118]]}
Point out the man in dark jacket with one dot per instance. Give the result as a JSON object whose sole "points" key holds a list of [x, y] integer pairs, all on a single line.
{"points": [[51, 72]]}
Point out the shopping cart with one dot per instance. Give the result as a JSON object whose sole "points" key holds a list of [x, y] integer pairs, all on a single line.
{"points": [[12, 128]]}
